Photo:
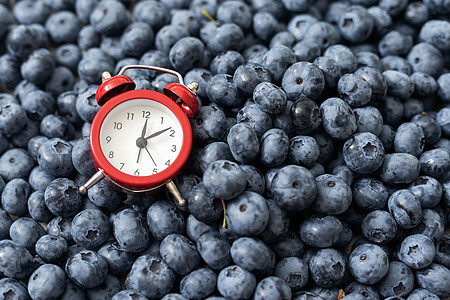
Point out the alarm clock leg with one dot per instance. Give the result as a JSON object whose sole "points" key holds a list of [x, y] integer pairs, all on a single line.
{"points": [[93, 180], [175, 193]]}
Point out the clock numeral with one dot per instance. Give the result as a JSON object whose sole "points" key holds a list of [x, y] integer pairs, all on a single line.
{"points": [[108, 139], [172, 132], [121, 165], [146, 114], [117, 125], [155, 170], [111, 154], [174, 148], [130, 116], [136, 173], [162, 120], [167, 163]]}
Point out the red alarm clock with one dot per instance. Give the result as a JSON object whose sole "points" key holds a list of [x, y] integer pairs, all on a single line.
{"points": [[140, 139]]}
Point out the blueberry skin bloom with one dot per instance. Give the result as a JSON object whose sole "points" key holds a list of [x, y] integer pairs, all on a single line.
{"points": [[247, 214], [214, 249], [243, 142], [10, 286], [248, 76], [303, 79], [186, 53], [272, 288], [252, 255], [15, 261], [434, 278], [399, 281], [327, 267], [334, 195], [198, 284], [236, 283], [62, 197], [131, 231], [405, 207], [274, 147], [151, 276], [379, 227], [269, 97], [294, 188], [409, 138], [110, 17], [354, 90], [320, 232], [90, 228], [417, 251], [368, 263], [363, 152], [179, 253], [163, 218], [435, 162], [338, 119], [399, 168], [86, 268], [224, 179], [47, 282], [294, 271]]}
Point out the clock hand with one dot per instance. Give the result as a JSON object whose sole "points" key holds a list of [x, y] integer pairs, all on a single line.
{"points": [[139, 154], [144, 130], [157, 133], [150, 155]]}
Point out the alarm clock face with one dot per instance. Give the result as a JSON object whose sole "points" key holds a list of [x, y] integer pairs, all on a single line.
{"points": [[140, 137]]}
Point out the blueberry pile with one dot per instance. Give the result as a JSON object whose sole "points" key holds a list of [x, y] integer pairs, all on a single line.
{"points": [[321, 159]]}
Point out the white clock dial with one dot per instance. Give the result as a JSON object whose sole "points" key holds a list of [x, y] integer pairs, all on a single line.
{"points": [[141, 137]]}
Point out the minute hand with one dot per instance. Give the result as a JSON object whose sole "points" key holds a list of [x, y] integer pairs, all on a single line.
{"points": [[157, 133]]}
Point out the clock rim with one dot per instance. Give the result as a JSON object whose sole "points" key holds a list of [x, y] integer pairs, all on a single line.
{"points": [[131, 182]]}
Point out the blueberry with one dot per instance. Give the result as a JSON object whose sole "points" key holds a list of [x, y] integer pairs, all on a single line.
{"points": [[369, 119], [343, 56], [355, 24], [62, 197], [224, 179], [130, 230], [278, 224], [51, 248], [354, 90], [294, 188], [277, 60], [370, 194], [247, 214], [15, 260], [320, 231], [272, 287], [330, 69], [86, 268], [368, 291], [243, 143], [417, 251], [431, 225], [234, 282], [405, 208], [152, 13], [235, 12], [265, 25], [334, 195], [254, 117], [216, 88], [15, 195], [338, 119], [434, 278], [303, 79], [442, 257], [368, 59], [185, 17], [274, 147], [323, 34], [430, 63], [179, 253], [186, 53], [428, 189], [225, 37], [368, 263], [14, 288], [249, 75], [5, 224], [38, 104], [129, 295], [10, 70], [55, 157], [305, 116], [226, 62], [163, 219], [430, 127], [107, 289], [212, 152], [203, 206], [199, 283], [399, 168], [282, 38], [252, 255], [303, 150], [25, 232], [395, 43], [290, 245], [39, 179], [88, 37], [443, 118], [269, 97], [209, 124], [294, 271], [379, 227], [90, 228], [435, 162], [420, 293], [24, 39], [110, 18], [214, 249], [13, 118], [327, 267], [435, 32]]}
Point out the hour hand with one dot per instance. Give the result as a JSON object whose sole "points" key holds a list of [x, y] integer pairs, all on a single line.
{"points": [[157, 133]]}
